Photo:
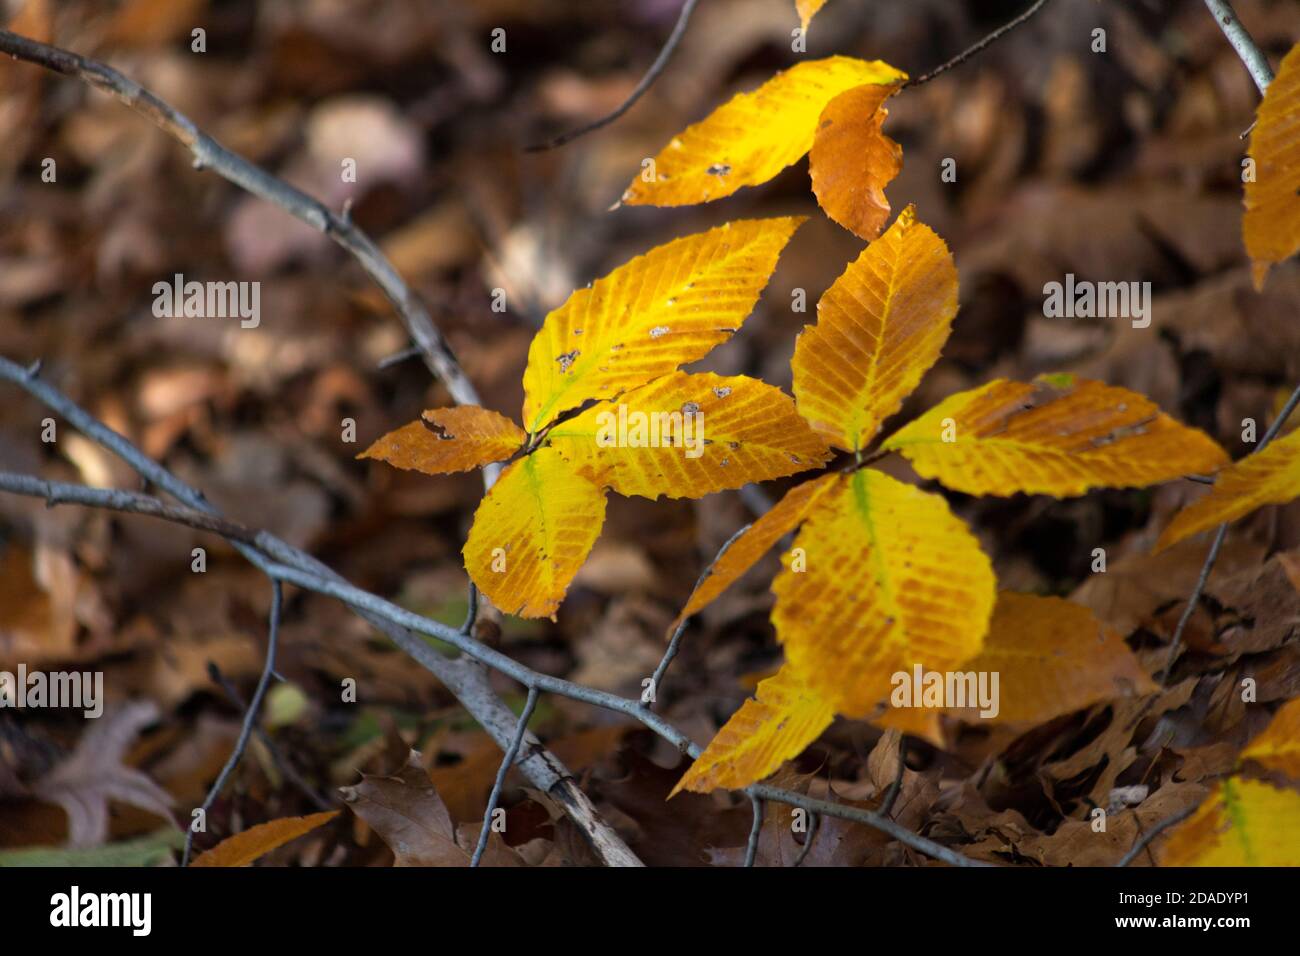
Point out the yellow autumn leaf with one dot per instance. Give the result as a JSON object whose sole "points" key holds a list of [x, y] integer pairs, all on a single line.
{"points": [[1271, 224], [879, 327], [685, 436], [1278, 747], [532, 532], [781, 720], [1057, 436], [753, 136], [1053, 656], [661, 310], [1241, 823], [852, 160], [243, 848], [890, 578], [807, 10], [1268, 477], [786, 515], [448, 440]]}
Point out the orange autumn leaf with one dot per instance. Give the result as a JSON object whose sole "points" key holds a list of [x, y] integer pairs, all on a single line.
{"points": [[852, 160], [1268, 477], [687, 436], [243, 848], [1057, 436], [449, 440], [775, 725], [656, 312], [1271, 224], [532, 532], [879, 327], [754, 136], [882, 576]]}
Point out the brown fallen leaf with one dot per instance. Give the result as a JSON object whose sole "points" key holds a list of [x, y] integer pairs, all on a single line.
{"points": [[407, 813]]}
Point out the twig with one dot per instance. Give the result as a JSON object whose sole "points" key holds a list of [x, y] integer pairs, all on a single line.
{"points": [[1251, 55], [209, 154], [1154, 832], [464, 678], [1217, 545], [674, 644], [397, 358], [471, 612], [755, 831], [511, 752], [285, 766], [647, 81], [114, 499], [250, 717], [970, 51]]}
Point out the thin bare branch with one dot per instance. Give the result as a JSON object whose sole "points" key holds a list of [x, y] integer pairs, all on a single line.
{"points": [[755, 831], [511, 752], [1154, 832], [210, 154], [1217, 546], [647, 81], [674, 643], [970, 51], [1251, 55], [250, 717]]}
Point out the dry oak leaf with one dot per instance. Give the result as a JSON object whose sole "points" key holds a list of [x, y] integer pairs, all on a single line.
{"points": [[1268, 477], [1056, 436], [243, 848], [651, 315], [691, 435], [807, 9], [852, 160], [1278, 747], [91, 777], [1053, 657], [1241, 823], [781, 720], [532, 532], [448, 440], [882, 576], [879, 327], [1271, 224], [405, 810], [753, 136]]}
